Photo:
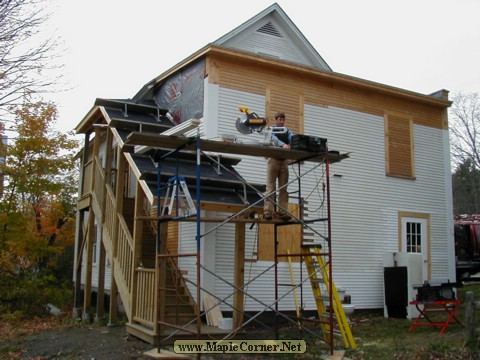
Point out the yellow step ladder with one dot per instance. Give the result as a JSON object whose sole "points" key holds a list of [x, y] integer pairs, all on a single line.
{"points": [[318, 272], [177, 189]]}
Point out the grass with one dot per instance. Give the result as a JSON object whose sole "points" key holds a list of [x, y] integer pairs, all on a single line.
{"points": [[378, 337]]}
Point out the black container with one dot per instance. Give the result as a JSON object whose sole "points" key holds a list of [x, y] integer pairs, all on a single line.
{"points": [[309, 143]]}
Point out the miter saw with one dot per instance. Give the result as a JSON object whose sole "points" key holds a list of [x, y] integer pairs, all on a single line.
{"points": [[249, 122]]}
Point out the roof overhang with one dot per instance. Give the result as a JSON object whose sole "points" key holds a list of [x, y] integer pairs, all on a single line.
{"points": [[439, 98]]}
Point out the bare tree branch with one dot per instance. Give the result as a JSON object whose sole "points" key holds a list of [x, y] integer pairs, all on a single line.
{"points": [[465, 129], [25, 56]]}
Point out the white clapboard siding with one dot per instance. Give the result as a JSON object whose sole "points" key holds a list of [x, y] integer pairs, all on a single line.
{"points": [[364, 201]]}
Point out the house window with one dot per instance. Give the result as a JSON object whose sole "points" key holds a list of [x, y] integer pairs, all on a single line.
{"points": [[413, 234], [399, 146]]}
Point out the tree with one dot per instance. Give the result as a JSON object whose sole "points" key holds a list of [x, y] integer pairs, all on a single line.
{"points": [[39, 173], [24, 56], [465, 152], [38, 204], [465, 129], [465, 185]]}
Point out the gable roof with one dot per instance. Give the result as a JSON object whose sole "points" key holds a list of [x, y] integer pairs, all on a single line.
{"points": [[271, 33], [270, 24]]}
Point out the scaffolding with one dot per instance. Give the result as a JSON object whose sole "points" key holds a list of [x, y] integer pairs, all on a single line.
{"points": [[241, 318]]}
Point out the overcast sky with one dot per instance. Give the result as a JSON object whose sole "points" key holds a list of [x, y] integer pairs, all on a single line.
{"points": [[113, 48]]}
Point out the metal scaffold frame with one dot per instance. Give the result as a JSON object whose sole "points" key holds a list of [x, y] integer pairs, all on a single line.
{"points": [[297, 220]]}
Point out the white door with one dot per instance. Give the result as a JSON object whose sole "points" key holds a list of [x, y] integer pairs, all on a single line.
{"points": [[415, 239]]}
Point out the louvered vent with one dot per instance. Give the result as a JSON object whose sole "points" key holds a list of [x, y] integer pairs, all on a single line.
{"points": [[269, 29]]}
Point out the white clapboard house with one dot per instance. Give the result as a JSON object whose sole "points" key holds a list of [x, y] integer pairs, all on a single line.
{"points": [[383, 195]]}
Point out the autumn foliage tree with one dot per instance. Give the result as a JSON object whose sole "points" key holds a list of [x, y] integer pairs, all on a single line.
{"points": [[37, 205]]}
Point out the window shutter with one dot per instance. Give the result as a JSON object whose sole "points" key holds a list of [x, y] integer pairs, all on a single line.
{"points": [[399, 146]]}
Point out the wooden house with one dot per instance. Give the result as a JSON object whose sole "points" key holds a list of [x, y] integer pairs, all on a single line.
{"points": [[390, 193]]}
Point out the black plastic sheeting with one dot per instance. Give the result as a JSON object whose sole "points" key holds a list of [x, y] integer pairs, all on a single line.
{"points": [[222, 185], [182, 93]]}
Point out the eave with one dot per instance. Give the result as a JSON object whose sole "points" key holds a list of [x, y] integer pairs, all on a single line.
{"points": [[283, 66], [93, 116]]}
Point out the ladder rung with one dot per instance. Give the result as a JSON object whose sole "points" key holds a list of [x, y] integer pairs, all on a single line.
{"points": [[318, 281], [337, 332], [326, 315], [308, 245], [322, 297]]}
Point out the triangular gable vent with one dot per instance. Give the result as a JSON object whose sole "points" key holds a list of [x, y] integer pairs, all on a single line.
{"points": [[269, 29]]}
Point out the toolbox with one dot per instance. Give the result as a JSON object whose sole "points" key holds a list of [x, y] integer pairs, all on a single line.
{"points": [[309, 143]]}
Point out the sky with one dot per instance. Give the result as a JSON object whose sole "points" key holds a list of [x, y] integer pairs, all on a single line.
{"points": [[111, 48]]}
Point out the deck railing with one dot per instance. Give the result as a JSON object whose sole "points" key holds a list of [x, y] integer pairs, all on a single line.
{"points": [[109, 217], [124, 265], [145, 312], [99, 186], [87, 178]]}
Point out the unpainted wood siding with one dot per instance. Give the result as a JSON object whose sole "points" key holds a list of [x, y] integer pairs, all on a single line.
{"points": [[317, 89]]}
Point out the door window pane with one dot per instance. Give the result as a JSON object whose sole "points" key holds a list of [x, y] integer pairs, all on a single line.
{"points": [[414, 237]]}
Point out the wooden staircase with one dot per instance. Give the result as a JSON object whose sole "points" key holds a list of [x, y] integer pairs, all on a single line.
{"points": [[179, 307]]}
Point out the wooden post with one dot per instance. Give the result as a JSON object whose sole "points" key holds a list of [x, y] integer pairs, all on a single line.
{"points": [[79, 236], [103, 254], [119, 193], [101, 282], [92, 235], [470, 339], [87, 292], [239, 274], [137, 244], [77, 300], [161, 272]]}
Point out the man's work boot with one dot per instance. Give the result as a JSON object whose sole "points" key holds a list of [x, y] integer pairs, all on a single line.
{"points": [[285, 217]]}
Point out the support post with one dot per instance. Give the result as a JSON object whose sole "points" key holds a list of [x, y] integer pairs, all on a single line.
{"points": [[77, 301], [77, 310], [239, 274], [87, 293], [161, 270], [101, 282], [119, 194], [103, 252], [137, 244], [470, 338]]}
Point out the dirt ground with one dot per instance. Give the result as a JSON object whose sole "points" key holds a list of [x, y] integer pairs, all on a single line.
{"points": [[78, 342], [51, 340]]}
